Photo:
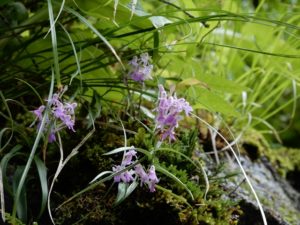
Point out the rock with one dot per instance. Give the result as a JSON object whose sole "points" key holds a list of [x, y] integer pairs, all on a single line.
{"points": [[281, 202]]}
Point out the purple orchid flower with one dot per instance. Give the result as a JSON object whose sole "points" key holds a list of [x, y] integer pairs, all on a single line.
{"points": [[125, 176], [128, 157], [168, 113], [39, 112], [140, 68], [60, 111], [51, 137], [138, 172], [153, 180]]}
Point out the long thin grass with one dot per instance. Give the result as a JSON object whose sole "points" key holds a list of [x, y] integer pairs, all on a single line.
{"points": [[225, 56]]}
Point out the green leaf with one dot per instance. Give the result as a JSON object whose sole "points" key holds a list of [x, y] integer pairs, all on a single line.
{"points": [[4, 162], [121, 13], [117, 150], [2, 133], [19, 11], [159, 21], [208, 100], [22, 200], [131, 188], [122, 187], [124, 190], [216, 83], [5, 129], [122, 149], [95, 107], [101, 175], [54, 44], [3, 2], [2, 198], [32, 153], [42, 171], [88, 24]]}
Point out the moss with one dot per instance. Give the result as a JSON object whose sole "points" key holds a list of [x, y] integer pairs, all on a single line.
{"points": [[111, 140], [141, 139], [285, 160], [95, 156], [183, 176], [9, 220], [96, 207], [90, 208], [216, 210], [162, 207], [254, 144], [291, 216], [166, 206]]}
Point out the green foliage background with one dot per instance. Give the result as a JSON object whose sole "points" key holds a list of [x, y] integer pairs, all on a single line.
{"points": [[235, 61]]}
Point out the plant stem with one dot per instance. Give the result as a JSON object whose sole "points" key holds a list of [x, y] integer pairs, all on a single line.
{"points": [[54, 45], [32, 153]]}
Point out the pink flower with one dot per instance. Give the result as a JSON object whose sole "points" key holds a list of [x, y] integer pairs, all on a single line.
{"points": [[60, 111], [140, 68], [128, 176], [168, 113], [125, 176], [51, 137], [128, 157], [139, 170], [152, 178], [39, 112]]}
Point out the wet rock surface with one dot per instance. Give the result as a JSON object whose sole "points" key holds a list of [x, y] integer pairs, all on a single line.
{"points": [[280, 200]]}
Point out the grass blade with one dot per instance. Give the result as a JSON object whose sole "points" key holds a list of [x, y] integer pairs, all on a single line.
{"points": [[88, 24], [241, 167], [42, 171], [54, 44], [12, 124], [2, 201]]}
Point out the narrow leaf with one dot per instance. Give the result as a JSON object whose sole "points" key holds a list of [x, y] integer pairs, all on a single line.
{"points": [[42, 171], [88, 24], [22, 200], [101, 175], [117, 150], [121, 192]]}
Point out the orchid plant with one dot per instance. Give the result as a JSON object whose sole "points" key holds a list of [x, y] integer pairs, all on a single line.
{"points": [[62, 114], [169, 111]]}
